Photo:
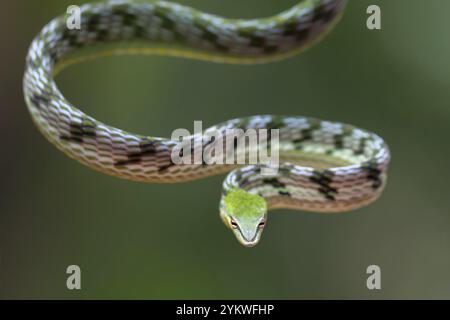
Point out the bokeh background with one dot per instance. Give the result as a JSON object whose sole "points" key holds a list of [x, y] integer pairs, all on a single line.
{"points": [[147, 241]]}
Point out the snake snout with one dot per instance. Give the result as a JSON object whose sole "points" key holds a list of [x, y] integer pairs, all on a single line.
{"points": [[249, 237]]}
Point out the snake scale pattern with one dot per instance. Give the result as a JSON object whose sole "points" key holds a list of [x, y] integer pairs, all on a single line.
{"points": [[325, 166]]}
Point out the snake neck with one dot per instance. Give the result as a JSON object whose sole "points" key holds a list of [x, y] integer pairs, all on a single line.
{"points": [[324, 166], [308, 189]]}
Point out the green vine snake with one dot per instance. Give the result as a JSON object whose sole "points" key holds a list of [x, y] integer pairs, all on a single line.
{"points": [[324, 166]]}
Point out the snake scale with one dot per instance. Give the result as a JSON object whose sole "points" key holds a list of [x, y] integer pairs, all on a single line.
{"points": [[324, 166]]}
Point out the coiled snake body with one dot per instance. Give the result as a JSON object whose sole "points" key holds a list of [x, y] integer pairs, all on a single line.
{"points": [[325, 166]]}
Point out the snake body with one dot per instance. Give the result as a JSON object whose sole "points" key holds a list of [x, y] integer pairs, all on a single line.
{"points": [[325, 166]]}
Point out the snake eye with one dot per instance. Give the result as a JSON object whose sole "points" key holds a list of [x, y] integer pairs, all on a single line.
{"points": [[262, 224], [233, 224]]}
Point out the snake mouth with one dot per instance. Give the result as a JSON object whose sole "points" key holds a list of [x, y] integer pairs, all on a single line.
{"points": [[247, 241], [250, 244]]}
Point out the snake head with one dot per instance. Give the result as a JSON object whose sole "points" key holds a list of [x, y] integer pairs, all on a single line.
{"points": [[245, 214]]}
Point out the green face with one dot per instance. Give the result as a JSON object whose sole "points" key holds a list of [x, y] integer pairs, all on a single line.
{"points": [[245, 214]]}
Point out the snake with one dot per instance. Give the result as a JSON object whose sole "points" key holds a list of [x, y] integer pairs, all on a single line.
{"points": [[324, 166]]}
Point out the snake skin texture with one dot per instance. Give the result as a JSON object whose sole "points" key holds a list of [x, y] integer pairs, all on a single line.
{"points": [[326, 166]]}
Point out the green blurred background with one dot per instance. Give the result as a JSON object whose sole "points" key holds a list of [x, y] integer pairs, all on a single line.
{"points": [[147, 241]]}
